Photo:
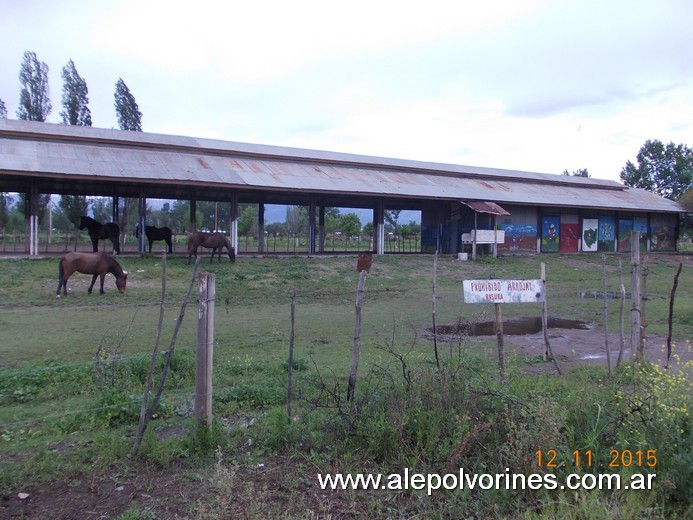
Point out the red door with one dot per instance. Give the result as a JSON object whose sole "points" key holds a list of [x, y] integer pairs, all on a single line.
{"points": [[569, 234]]}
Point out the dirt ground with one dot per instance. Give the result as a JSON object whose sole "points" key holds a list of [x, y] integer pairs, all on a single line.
{"points": [[573, 347]]}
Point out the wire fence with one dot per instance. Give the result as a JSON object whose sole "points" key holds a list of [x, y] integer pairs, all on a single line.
{"points": [[234, 334], [325, 319], [63, 241]]}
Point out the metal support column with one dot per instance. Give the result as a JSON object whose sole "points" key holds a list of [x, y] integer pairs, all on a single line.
{"points": [[311, 227], [321, 234], [32, 219], [379, 227], [193, 213], [141, 223], [233, 224], [261, 227]]}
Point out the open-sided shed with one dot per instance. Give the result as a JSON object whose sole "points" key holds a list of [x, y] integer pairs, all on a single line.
{"points": [[545, 212]]}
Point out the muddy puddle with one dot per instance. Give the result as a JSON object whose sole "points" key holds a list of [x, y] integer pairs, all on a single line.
{"points": [[511, 326]]}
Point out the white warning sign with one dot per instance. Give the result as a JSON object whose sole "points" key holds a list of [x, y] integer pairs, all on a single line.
{"points": [[503, 291]]}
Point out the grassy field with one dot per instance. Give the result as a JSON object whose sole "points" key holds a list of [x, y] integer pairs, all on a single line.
{"points": [[71, 371]]}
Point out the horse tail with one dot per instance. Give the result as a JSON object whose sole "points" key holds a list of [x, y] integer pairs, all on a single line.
{"points": [[61, 274], [192, 248], [231, 250], [114, 231]]}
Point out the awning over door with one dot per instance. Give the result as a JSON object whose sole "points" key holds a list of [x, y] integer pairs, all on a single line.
{"points": [[482, 206]]}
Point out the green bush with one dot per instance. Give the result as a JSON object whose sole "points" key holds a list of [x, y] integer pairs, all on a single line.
{"points": [[42, 382], [253, 395]]}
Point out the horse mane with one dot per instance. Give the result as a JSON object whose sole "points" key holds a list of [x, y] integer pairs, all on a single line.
{"points": [[114, 267]]}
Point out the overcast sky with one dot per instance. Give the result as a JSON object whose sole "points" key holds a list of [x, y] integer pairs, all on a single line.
{"points": [[536, 85]]}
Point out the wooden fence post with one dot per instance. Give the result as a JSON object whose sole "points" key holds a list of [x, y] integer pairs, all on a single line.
{"points": [[622, 311], [635, 331], [205, 349], [433, 315], [605, 297], [351, 389], [499, 340], [290, 372], [671, 313], [548, 353]]}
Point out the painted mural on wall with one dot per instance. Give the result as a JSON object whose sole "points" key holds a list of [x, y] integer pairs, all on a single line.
{"points": [[550, 227], [625, 227], [640, 225], [590, 233], [569, 234], [519, 236], [607, 233], [663, 238]]}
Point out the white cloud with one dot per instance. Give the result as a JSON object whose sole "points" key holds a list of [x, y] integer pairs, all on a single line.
{"points": [[543, 85]]}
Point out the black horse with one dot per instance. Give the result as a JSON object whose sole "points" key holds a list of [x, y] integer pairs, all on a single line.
{"points": [[155, 233], [98, 231]]}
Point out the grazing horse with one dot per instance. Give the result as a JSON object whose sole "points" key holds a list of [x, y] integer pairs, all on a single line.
{"points": [[97, 231], [155, 233], [213, 241], [97, 264]]}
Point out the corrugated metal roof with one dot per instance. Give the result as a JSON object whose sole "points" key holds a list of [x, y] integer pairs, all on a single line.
{"points": [[483, 206], [99, 155]]}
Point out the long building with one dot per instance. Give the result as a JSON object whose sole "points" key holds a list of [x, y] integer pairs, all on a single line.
{"points": [[461, 206]]}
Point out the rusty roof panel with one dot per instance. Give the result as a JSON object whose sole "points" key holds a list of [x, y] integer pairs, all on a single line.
{"points": [[29, 148], [482, 206]]}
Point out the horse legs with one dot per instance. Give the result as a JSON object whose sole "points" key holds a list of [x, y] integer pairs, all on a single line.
{"points": [[93, 281], [150, 246], [95, 244], [62, 282], [170, 246], [62, 279]]}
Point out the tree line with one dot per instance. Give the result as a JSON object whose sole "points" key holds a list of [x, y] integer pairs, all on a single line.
{"points": [[64, 216], [35, 103]]}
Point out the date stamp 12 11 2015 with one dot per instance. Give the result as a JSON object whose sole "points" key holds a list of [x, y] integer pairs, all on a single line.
{"points": [[625, 458]]}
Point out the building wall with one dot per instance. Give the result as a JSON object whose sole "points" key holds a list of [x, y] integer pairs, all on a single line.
{"points": [[571, 230]]}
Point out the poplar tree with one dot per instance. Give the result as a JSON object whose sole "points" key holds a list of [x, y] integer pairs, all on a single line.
{"points": [[129, 118], [3, 110], [34, 103], [75, 99], [127, 111], [75, 112]]}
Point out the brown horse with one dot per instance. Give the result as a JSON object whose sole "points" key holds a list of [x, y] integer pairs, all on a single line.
{"points": [[213, 241], [98, 231], [97, 264]]}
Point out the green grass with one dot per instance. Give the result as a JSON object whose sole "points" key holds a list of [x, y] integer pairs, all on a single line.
{"points": [[71, 371]]}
